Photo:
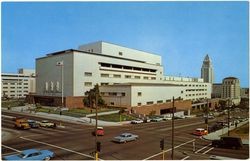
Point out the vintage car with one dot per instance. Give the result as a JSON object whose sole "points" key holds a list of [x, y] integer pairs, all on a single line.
{"points": [[33, 123], [46, 123], [31, 154], [125, 137], [137, 121], [228, 142], [200, 132], [99, 131], [21, 123]]}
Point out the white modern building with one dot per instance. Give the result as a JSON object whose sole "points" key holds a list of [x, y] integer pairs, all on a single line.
{"points": [[207, 71], [18, 85], [109, 64]]}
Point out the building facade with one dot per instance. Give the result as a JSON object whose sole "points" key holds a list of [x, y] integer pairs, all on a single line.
{"points": [[18, 85], [244, 92], [207, 71], [231, 89], [217, 89], [108, 64]]}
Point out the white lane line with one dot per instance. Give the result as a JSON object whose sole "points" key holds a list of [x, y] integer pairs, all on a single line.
{"points": [[11, 117], [11, 153], [72, 151], [202, 148], [185, 158], [169, 149], [208, 150], [11, 148]]}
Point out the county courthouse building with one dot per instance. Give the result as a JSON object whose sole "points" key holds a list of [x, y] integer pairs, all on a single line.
{"points": [[128, 78]]}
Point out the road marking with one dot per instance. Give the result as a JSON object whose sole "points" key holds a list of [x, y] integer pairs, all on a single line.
{"points": [[72, 151], [11, 148], [202, 148], [10, 117], [185, 158], [208, 150], [169, 149]]}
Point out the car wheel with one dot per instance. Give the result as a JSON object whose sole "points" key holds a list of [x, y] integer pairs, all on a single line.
{"points": [[47, 158]]}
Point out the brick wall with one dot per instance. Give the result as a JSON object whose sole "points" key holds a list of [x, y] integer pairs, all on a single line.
{"points": [[74, 102]]}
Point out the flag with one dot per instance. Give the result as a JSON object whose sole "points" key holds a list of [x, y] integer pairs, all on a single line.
{"points": [[59, 63]]}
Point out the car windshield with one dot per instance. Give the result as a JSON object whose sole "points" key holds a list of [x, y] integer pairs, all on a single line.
{"points": [[21, 155]]}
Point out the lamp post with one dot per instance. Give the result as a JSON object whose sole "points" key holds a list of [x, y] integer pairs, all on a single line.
{"points": [[60, 63]]}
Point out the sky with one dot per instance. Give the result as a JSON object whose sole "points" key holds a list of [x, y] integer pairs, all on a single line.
{"points": [[181, 32]]}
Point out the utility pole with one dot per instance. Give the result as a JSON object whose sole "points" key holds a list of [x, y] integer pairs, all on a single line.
{"points": [[228, 116], [96, 118], [173, 110], [206, 121]]}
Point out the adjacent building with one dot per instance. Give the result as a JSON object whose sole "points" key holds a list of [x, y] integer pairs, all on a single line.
{"points": [[18, 85], [127, 77], [217, 90], [231, 89], [244, 93], [207, 71]]}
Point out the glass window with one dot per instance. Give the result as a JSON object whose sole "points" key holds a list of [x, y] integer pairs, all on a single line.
{"points": [[88, 83], [139, 94], [104, 75], [88, 74]]}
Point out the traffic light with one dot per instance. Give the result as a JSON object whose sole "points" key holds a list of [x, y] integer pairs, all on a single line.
{"points": [[162, 144], [98, 146], [206, 120]]}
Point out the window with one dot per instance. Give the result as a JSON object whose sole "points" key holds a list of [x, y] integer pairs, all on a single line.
{"points": [[57, 86], [160, 101], [103, 84], [88, 74], [181, 91], [88, 83], [150, 102], [104, 75], [139, 94], [46, 86], [51, 86], [137, 77], [169, 100], [127, 76], [153, 78], [117, 76], [145, 77], [139, 104], [123, 94], [120, 53], [112, 103]]}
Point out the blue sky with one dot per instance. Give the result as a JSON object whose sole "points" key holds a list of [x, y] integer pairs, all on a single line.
{"points": [[181, 32]]}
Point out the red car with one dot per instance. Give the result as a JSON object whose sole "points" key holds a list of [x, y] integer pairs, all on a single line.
{"points": [[200, 132], [99, 131]]}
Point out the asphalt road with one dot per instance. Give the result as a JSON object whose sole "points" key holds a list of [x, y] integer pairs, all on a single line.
{"points": [[75, 142]]}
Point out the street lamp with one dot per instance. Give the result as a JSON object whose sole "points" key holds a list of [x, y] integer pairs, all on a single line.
{"points": [[60, 63]]}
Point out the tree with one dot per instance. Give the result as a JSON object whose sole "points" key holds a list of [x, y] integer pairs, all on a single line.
{"points": [[90, 98]]}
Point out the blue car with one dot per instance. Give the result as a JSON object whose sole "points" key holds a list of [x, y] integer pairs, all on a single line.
{"points": [[31, 154]]}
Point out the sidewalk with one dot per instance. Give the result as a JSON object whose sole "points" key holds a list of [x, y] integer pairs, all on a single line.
{"points": [[216, 135], [81, 120]]}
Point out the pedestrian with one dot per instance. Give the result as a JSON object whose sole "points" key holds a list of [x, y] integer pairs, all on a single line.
{"points": [[236, 124]]}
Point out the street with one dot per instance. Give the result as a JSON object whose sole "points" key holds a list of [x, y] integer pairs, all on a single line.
{"points": [[75, 141]]}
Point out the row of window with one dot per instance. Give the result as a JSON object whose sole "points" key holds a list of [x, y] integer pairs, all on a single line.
{"points": [[25, 91], [198, 94], [51, 86], [104, 75], [5, 83], [118, 66], [188, 90], [200, 85], [113, 94]]}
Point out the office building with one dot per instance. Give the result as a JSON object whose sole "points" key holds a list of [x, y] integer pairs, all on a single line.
{"points": [[207, 71], [231, 89], [18, 85]]}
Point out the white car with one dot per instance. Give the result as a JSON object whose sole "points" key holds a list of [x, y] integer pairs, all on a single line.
{"points": [[125, 137], [46, 123], [137, 121]]}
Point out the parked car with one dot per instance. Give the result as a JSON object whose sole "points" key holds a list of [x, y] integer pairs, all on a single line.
{"points": [[146, 120], [33, 123], [200, 132], [21, 123], [99, 131], [137, 121], [46, 123], [156, 119], [167, 118], [228, 142], [31, 154], [125, 137]]}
